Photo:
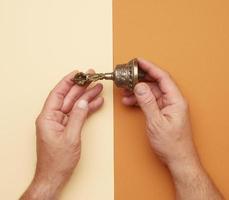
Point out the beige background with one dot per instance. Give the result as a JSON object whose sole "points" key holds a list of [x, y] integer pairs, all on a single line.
{"points": [[41, 41]]}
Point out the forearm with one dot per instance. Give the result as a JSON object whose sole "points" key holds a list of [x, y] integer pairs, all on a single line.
{"points": [[192, 182]]}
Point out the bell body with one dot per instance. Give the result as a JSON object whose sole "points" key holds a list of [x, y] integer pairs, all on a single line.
{"points": [[128, 75], [125, 75]]}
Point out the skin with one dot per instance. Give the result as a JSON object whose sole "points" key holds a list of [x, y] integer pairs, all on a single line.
{"points": [[169, 131], [168, 128], [58, 136]]}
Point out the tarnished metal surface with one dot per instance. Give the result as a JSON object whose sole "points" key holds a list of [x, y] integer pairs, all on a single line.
{"points": [[124, 75]]}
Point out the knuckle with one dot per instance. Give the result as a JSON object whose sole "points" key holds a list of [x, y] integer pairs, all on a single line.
{"points": [[59, 95], [148, 100]]}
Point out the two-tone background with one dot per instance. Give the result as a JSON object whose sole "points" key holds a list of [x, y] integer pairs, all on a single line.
{"points": [[40, 41]]}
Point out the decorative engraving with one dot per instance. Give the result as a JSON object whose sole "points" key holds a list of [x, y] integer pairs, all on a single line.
{"points": [[83, 79]]}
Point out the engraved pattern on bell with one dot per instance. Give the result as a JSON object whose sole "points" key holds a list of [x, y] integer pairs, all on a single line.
{"points": [[123, 76]]}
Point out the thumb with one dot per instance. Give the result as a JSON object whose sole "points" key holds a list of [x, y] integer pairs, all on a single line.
{"points": [[146, 100], [76, 120]]}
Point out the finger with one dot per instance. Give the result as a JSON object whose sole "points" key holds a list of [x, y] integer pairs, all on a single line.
{"points": [[127, 93], [165, 82], [153, 86], [80, 111], [129, 101], [57, 116], [93, 92], [155, 89], [147, 77], [96, 104], [74, 94], [56, 97], [76, 120], [146, 100], [129, 98]]}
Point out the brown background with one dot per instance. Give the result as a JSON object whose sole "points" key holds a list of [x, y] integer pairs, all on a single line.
{"points": [[190, 39]]}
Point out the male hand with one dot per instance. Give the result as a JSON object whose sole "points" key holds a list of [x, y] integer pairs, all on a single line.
{"points": [[59, 135], [166, 111], [169, 132]]}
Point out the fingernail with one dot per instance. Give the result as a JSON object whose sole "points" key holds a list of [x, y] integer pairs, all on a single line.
{"points": [[83, 104], [140, 89]]}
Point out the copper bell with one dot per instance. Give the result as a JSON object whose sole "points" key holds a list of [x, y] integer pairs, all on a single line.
{"points": [[124, 75]]}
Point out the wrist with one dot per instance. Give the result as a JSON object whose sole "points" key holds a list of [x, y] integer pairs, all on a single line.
{"points": [[185, 169], [192, 180], [43, 188]]}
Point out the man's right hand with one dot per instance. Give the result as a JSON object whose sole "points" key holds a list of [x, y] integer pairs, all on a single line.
{"points": [[166, 111], [169, 131]]}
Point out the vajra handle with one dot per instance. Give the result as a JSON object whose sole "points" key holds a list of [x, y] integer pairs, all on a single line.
{"points": [[83, 78]]}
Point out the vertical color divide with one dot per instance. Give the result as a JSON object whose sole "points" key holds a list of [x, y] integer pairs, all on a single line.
{"points": [[41, 41]]}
